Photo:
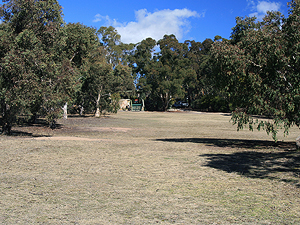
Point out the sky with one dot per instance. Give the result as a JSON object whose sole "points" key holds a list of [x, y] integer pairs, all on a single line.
{"points": [[136, 20]]}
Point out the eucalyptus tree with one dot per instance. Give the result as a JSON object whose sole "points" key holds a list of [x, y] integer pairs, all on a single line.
{"points": [[111, 40], [97, 81], [81, 42], [198, 83], [142, 59], [122, 80], [120, 56], [35, 74], [161, 75], [116, 51], [259, 69]]}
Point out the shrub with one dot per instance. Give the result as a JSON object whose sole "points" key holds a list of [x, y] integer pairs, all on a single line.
{"points": [[211, 103]]}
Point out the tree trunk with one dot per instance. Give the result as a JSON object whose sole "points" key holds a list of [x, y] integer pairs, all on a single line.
{"points": [[166, 100], [53, 124], [6, 129], [98, 112], [7, 120], [33, 118]]}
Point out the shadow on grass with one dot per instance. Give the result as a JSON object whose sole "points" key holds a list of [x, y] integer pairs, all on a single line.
{"points": [[283, 164], [235, 143], [24, 128], [40, 122], [16, 133]]}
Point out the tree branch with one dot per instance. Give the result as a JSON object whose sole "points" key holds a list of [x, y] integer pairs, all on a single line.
{"points": [[283, 76], [255, 64], [73, 56]]}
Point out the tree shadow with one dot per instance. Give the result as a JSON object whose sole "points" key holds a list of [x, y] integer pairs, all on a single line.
{"points": [[17, 133], [236, 143], [25, 128], [283, 166], [266, 159], [39, 122]]}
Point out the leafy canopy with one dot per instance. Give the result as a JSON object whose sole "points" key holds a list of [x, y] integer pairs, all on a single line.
{"points": [[259, 70]]}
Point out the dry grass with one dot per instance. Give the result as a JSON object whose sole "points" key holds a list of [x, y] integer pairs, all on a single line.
{"points": [[147, 168]]}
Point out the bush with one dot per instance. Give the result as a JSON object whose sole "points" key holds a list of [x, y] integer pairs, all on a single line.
{"points": [[211, 103]]}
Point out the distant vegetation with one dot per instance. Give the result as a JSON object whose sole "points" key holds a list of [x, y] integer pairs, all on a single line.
{"points": [[46, 64]]}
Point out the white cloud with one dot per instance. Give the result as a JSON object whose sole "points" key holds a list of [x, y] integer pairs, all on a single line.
{"points": [[154, 25], [99, 18], [264, 6], [260, 8]]}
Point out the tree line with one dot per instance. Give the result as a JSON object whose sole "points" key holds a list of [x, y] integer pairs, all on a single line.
{"points": [[46, 64]]}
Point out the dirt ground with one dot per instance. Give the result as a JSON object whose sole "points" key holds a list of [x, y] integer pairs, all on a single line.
{"points": [[148, 168]]}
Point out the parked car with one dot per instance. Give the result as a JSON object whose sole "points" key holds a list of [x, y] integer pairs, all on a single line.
{"points": [[181, 104]]}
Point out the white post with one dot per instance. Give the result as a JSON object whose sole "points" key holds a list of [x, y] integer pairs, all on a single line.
{"points": [[65, 108], [298, 142], [97, 114]]}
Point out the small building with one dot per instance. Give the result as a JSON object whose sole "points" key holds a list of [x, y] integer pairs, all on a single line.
{"points": [[125, 104], [135, 105]]}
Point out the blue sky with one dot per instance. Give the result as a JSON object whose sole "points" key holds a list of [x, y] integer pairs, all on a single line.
{"points": [[195, 20]]}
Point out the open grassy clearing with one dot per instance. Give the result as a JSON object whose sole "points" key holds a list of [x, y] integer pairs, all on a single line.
{"points": [[146, 168]]}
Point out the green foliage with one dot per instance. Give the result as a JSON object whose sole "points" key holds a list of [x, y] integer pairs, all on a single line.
{"points": [[97, 77], [142, 57], [259, 69], [162, 76], [114, 106], [35, 76], [123, 80], [116, 51], [46, 63], [198, 82], [102, 84], [178, 71], [80, 41], [211, 103], [270, 125]]}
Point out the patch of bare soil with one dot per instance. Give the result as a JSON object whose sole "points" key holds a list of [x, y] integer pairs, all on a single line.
{"points": [[61, 138], [85, 129], [104, 129], [69, 127]]}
